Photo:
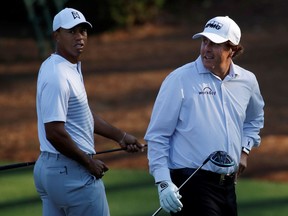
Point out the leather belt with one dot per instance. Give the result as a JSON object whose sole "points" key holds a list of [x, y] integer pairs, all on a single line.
{"points": [[57, 155], [217, 178]]}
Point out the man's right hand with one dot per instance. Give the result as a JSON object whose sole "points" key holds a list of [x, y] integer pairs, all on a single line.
{"points": [[97, 168], [169, 196]]}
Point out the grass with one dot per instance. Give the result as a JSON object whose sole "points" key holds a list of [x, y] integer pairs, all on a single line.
{"points": [[262, 198], [132, 193]]}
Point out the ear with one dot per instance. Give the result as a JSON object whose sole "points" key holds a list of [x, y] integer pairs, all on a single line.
{"points": [[55, 36], [231, 53]]}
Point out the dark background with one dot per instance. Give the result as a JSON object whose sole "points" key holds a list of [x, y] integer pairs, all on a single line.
{"points": [[131, 49]]}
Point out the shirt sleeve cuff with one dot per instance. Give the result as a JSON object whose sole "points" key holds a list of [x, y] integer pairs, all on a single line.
{"points": [[162, 174], [247, 143]]}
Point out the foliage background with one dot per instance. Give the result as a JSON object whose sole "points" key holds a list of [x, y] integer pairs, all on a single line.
{"points": [[133, 46]]}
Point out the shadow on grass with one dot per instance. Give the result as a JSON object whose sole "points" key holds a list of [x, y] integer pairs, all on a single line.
{"points": [[264, 204], [19, 202], [129, 185]]}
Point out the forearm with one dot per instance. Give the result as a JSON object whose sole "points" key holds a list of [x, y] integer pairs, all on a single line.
{"points": [[125, 140], [103, 128]]}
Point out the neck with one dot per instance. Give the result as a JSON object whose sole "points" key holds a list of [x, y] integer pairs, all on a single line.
{"points": [[221, 72], [68, 57]]}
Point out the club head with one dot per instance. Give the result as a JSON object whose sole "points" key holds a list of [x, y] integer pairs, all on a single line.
{"points": [[221, 159]]}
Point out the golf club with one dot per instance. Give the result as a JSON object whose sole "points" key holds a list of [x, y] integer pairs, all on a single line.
{"points": [[219, 158], [25, 164]]}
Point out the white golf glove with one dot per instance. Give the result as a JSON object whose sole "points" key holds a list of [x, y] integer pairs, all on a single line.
{"points": [[169, 196]]}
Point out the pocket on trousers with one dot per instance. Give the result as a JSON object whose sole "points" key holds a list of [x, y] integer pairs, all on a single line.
{"points": [[56, 171], [56, 180], [86, 177]]}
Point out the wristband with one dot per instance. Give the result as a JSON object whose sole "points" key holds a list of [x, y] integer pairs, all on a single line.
{"points": [[122, 140]]}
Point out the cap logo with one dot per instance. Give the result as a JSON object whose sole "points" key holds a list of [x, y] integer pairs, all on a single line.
{"points": [[214, 24], [75, 15]]}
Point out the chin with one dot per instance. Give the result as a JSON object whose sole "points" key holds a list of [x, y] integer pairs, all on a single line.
{"points": [[78, 53]]}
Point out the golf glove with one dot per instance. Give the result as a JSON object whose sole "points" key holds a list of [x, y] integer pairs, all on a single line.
{"points": [[169, 196]]}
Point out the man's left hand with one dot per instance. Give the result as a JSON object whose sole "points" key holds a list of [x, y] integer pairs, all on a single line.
{"points": [[243, 163], [131, 144]]}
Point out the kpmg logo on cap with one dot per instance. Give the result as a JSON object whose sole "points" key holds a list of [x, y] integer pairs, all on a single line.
{"points": [[214, 24], [75, 15]]}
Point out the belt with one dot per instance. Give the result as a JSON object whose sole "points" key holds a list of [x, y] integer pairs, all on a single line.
{"points": [[58, 155], [217, 178]]}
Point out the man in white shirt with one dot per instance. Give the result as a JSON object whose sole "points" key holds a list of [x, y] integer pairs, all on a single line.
{"points": [[208, 105], [66, 176]]}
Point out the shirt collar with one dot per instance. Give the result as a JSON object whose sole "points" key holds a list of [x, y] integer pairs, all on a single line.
{"points": [[202, 70], [232, 72]]}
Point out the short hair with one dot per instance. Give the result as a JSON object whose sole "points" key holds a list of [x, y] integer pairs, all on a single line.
{"points": [[237, 49]]}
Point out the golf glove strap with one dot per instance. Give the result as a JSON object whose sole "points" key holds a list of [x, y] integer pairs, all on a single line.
{"points": [[169, 197]]}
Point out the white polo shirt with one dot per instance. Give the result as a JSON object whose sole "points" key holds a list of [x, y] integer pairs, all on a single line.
{"points": [[197, 113], [61, 96]]}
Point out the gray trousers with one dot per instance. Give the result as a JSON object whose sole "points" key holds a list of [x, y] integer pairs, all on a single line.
{"points": [[67, 189]]}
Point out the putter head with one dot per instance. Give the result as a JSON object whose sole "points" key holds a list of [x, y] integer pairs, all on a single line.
{"points": [[221, 159]]}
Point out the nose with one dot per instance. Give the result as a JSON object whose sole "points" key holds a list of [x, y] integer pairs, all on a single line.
{"points": [[79, 35]]}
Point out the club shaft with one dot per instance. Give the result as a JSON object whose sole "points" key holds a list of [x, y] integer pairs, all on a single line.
{"points": [[190, 177], [160, 208], [209, 158], [26, 164], [17, 165]]}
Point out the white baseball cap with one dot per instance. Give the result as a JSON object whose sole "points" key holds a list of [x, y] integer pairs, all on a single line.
{"points": [[68, 18], [221, 29]]}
